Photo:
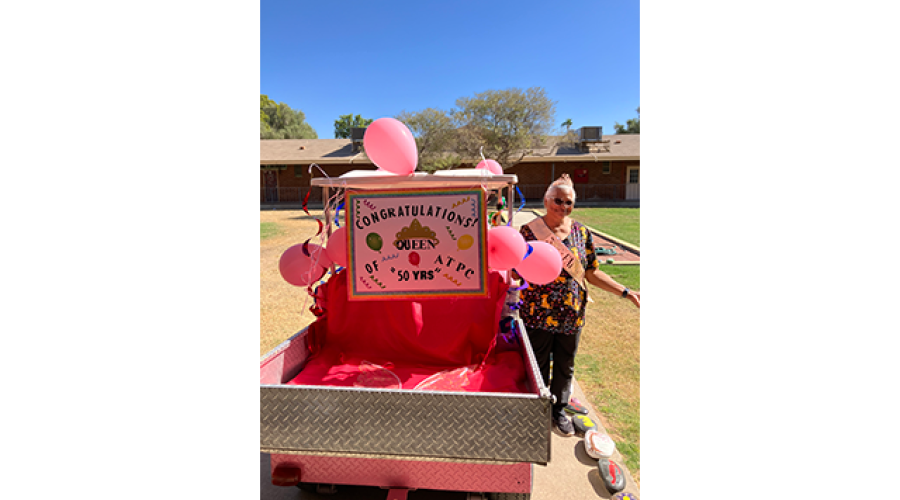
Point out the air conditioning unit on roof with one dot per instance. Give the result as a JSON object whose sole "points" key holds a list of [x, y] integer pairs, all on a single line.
{"points": [[357, 134], [356, 137], [590, 134]]}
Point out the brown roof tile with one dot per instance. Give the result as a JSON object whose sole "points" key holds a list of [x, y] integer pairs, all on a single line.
{"points": [[340, 151]]}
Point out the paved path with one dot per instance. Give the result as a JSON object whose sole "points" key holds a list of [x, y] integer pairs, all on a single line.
{"points": [[570, 475]]}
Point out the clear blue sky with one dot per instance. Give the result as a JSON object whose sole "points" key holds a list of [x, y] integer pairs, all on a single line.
{"points": [[377, 59]]}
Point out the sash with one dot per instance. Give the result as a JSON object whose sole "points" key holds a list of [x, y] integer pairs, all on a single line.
{"points": [[570, 262]]}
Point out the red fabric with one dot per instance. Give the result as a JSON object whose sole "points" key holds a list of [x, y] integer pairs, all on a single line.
{"points": [[413, 340], [440, 332]]}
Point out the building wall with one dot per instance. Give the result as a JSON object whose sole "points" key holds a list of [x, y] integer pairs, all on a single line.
{"points": [[294, 182], [533, 179], [545, 173], [297, 176]]}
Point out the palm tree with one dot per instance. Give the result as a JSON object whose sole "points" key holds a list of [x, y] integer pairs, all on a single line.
{"points": [[567, 124]]}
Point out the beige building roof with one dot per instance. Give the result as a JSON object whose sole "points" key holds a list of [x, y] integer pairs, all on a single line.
{"points": [[340, 151], [305, 151]]}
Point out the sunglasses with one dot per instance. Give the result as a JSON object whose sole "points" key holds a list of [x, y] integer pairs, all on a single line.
{"points": [[560, 202]]}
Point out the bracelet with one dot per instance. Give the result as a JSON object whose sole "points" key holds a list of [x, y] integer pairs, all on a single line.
{"points": [[625, 293]]}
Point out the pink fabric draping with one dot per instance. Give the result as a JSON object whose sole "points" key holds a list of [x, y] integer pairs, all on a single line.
{"points": [[356, 341]]}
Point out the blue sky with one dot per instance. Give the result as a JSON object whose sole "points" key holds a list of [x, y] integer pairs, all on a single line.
{"points": [[377, 59]]}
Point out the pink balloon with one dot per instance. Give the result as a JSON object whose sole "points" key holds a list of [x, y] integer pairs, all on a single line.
{"points": [[505, 247], [391, 146], [542, 266], [337, 247], [319, 255], [298, 269], [491, 165]]}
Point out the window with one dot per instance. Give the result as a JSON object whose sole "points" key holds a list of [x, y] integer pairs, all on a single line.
{"points": [[607, 167], [634, 176]]}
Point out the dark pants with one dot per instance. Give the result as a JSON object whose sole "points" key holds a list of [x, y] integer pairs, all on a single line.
{"points": [[563, 347]]}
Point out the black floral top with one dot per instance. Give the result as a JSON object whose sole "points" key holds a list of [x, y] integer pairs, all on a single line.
{"points": [[558, 306]]}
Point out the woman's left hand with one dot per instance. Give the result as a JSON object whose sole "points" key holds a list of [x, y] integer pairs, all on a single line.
{"points": [[635, 297]]}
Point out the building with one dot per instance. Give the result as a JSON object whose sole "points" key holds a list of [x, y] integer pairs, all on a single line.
{"points": [[605, 168]]}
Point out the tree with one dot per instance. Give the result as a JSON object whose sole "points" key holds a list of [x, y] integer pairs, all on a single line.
{"points": [[632, 126], [264, 102], [508, 124], [567, 124], [434, 133], [279, 121], [346, 123]]}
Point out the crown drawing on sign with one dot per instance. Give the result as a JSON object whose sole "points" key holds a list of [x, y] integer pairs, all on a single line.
{"points": [[416, 231]]}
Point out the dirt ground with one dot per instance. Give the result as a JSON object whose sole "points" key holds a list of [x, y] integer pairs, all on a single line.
{"points": [[283, 308]]}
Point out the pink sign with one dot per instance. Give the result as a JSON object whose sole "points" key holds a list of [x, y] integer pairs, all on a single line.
{"points": [[417, 244]]}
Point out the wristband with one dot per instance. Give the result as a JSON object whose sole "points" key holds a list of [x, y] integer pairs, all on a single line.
{"points": [[625, 293]]}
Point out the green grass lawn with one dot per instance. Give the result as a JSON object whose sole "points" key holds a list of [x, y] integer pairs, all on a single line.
{"points": [[608, 370], [607, 366], [628, 275], [268, 229], [621, 408], [623, 223]]}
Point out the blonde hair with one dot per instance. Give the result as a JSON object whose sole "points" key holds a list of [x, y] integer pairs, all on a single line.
{"points": [[564, 183]]}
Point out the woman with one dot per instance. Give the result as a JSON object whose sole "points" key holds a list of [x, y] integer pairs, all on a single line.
{"points": [[554, 313]]}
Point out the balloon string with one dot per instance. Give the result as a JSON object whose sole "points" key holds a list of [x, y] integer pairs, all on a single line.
{"points": [[337, 214], [333, 199], [521, 206], [305, 248], [306, 201], [484, 172], [309, 171], [338, 196], [306, 209], [326, 203]]}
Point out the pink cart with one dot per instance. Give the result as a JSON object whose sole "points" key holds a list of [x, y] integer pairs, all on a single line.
{"points": [[368, 394]]}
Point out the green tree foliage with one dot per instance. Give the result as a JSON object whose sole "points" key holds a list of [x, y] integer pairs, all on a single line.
{"points": [[567, 124], [264, 102], [632, 126], [279, 121], [508, 124], [504, 125], [434, 132], [346, 123]]}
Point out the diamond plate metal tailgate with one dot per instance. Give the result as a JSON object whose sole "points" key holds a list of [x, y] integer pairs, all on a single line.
{"points": [[403, 423]]}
